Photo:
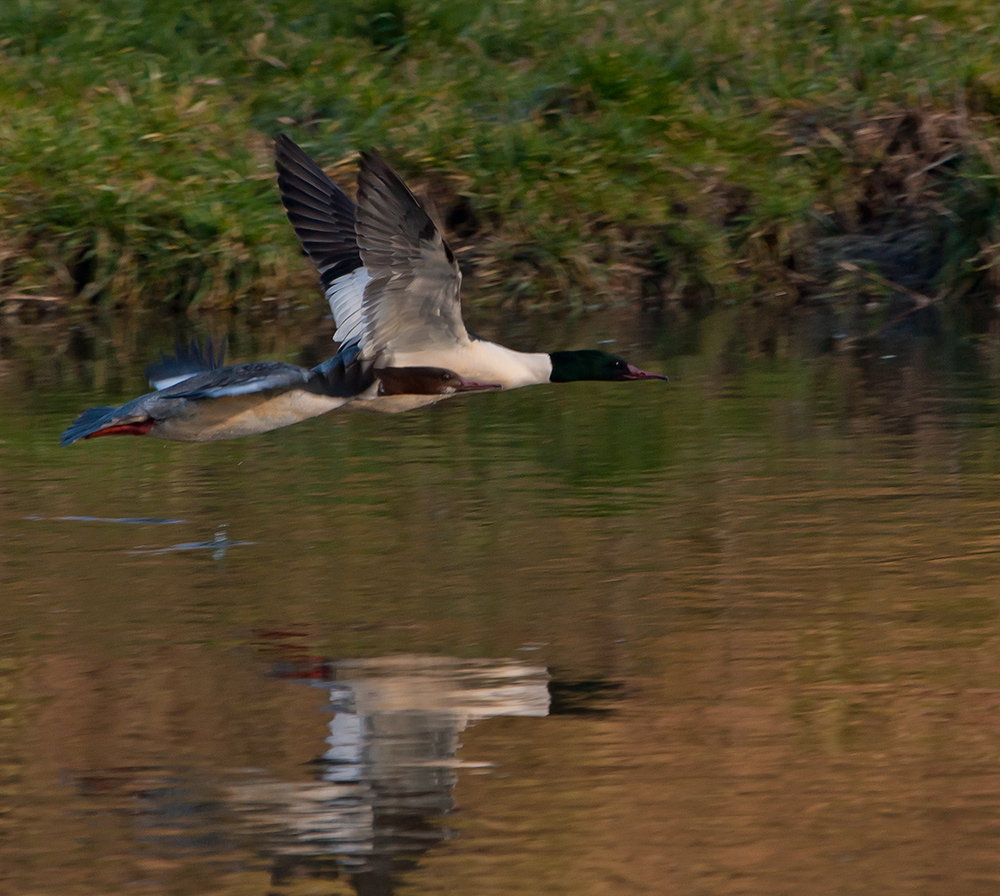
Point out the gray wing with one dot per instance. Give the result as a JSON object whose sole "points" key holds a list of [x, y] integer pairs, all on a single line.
{"points": [[240, 379], [412, 301], [323, 219]]}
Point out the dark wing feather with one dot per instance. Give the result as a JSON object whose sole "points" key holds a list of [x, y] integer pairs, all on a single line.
{"points": [[323, 218]]}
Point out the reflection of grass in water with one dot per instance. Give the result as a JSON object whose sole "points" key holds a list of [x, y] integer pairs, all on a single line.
{"points": [[684, 151], [506, 519]]}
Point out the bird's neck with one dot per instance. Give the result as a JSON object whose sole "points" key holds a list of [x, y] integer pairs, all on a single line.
{"points": [[484, 362], [341, 376]]}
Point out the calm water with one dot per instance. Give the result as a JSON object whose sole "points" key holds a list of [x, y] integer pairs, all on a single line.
{"points": [[733, 634]]}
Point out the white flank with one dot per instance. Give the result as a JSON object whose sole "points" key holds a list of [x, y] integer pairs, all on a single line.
{"points": [[169, 381], [207, 420], [261, 384]]}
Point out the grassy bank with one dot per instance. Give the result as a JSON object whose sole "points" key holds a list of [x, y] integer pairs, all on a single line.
{"points": [[578, 152]]}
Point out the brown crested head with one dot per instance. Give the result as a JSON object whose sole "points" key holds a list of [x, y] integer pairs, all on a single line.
{"points": [[426, 381]]}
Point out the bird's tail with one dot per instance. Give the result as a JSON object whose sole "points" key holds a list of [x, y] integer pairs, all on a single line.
{"points": [[103, 421]]}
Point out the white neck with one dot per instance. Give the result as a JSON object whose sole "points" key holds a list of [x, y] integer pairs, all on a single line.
{"points": [[484, 362]]}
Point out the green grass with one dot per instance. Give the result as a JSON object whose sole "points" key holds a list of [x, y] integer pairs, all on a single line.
{"points": [[583, 152]]}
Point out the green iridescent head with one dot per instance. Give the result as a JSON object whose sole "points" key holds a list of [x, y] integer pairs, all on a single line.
{"points": [[591, 364]]}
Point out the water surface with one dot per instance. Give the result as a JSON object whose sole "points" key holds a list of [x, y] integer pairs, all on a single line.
{"points": [[737, 633]]}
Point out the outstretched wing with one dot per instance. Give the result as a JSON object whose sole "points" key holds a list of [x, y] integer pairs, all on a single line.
{"points": [[412, 301], [240, 379], [323, 218]]}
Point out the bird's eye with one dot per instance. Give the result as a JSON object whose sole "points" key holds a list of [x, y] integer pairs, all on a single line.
{"points": [[619, 364]]}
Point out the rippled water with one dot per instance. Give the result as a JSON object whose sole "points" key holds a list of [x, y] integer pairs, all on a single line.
{"points": [[737, 633]]}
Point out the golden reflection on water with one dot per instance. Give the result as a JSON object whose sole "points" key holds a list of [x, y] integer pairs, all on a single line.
{"points": [[764, 607]]}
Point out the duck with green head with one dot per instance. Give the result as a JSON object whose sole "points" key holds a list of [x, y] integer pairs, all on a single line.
{"points": [[393, 283]]}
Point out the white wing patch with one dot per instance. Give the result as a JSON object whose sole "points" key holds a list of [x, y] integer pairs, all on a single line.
{"points": [[258, 384], [250, 388], [345, 296], [167, 382]]}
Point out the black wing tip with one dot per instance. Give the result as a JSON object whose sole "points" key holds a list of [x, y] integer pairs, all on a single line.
{"points": [[286, 150], [379, 182], [374, 163], [288, 154], [320, 212], [89, 421], [294, 165], [287, 147]]}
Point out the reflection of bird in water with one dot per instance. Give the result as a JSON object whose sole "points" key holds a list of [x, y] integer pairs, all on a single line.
{"points": [[197, 399], [393, 284], [388, 773]]}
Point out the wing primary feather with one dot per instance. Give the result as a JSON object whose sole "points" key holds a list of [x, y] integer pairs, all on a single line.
{"points": [[323, 217], [321, 214]]}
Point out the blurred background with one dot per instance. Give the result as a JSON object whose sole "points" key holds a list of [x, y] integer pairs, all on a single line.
{"points": [[732, 634]]}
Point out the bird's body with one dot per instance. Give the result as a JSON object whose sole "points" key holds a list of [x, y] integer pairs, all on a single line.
{"points": [[393, 284], [183, 414], [204, 401]]}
